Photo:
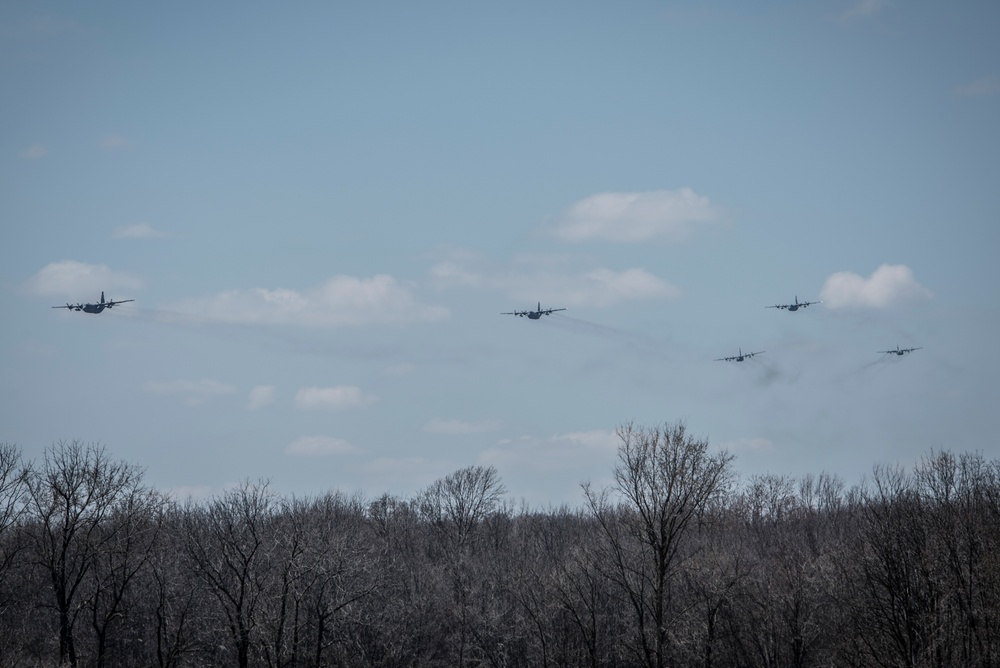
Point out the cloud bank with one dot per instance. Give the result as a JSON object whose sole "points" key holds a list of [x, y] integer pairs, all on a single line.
{"points": [[555, 453], [137, 231], [34, 152], [80, 281], [986, 86], [320, 446], [341, 397], [260, 396], [889, 285], [340, 301], [635, 217], [548, 279], [442, 426], [864, 8], [194, 392]]}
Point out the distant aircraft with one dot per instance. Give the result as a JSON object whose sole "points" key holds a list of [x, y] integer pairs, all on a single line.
{"points": [[94, 308], [740, 357], [536, 314], [794, 307], [898, 351]]}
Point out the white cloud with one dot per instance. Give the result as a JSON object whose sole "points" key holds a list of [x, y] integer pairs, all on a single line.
{"points": [[986, 86], [551, 280], [35, 151], [450, 274], [556, 453], [442, 426], [608, 287], [635, 217], [320, 446], [194, 392], [112, 142], [137, 231], [260, 396], [340, 301], [864, 8], [889, 285], [79, 280], [341, 397]]}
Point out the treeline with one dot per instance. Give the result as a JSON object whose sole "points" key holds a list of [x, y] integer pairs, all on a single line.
{"points": [[677, 563]]}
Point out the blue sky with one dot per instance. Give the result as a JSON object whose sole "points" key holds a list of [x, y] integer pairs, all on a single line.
{"points": [[322, 210]]}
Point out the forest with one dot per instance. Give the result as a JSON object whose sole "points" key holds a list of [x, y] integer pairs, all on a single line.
{"points": [[679, 562]]}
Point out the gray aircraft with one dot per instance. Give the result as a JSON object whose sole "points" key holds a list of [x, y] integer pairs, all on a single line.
{"points": [[740, 357], [94, 308], [794, 306], [898, 351], [536, 314]]}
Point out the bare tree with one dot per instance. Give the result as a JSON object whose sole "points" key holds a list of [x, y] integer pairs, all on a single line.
{"points": [[900, 604], [227, 545], [664, 482], [129, 537], [456, 506], [459, 502], [73, 496], [175, 605], [12, 512], [13, 492]]}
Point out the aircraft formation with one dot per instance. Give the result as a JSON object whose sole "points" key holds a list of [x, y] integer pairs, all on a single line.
{"points": [[535, 314], [740, 356]]}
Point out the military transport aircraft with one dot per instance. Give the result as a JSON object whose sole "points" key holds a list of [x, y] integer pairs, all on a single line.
{"points": [[794, 307], [740, 357], [898, 351], [536, 314], [94, 308]]}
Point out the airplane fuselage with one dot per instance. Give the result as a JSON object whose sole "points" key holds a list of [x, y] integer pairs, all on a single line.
{"points": [[793, 307], [92, 308], [534, 315]]}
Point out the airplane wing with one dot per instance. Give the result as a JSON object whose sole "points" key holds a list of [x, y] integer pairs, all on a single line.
{"points": [[70, 306], [756, 353], [550, 311], [725, 359], [778, 306], [517, 313], [112, 303]]}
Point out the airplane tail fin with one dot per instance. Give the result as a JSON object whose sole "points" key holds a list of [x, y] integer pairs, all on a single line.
{"points": [[102, 296]]}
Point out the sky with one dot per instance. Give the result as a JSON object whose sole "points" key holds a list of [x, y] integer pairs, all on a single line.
{"points": [[322, 211]]}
